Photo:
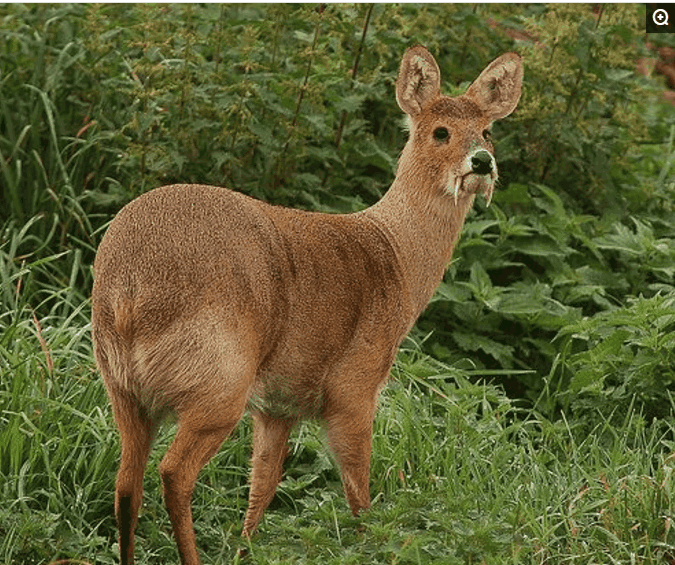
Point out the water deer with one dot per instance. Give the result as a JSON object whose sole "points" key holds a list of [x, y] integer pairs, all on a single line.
{"points": [[207, 303]]}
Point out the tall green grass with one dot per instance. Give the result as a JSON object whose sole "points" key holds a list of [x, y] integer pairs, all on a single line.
{"points": [[561, 292], [459, 474]]}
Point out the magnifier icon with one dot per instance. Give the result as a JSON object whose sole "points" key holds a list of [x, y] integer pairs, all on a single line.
{"points": [[660, 17]]}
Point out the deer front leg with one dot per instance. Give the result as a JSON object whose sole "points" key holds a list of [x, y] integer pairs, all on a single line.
{"points": [[269, 452], [349, 434]]}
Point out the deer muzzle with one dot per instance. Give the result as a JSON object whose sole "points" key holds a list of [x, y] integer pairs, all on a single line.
{"points": [[480, 176]]}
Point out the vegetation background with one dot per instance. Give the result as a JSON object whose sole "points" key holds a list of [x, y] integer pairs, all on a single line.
{"points": [[530, 414]]}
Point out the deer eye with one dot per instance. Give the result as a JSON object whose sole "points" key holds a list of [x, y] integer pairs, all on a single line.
{"points": [[441, 134], [487, 136]]}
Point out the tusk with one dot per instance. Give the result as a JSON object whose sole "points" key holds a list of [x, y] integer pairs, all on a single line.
{"points": [[488, 196]]}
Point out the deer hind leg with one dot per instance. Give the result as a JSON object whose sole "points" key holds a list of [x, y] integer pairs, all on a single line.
{"points": [[202, 429], [136, 431], [270, 436]]}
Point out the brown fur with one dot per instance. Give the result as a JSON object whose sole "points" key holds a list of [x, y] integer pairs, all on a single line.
{"points": [[207, 302]]}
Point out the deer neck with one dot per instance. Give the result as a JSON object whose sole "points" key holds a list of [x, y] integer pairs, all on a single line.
{"points": [[422, 223]]}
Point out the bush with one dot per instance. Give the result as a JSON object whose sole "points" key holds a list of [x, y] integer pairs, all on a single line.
{"points": [[294, 104]]}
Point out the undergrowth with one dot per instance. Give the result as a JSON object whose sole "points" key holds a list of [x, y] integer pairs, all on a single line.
{"points": [[460, 474], [530, 414]]}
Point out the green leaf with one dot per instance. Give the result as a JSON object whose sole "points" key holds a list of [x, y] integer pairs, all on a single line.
{"points": [[473, 342]]}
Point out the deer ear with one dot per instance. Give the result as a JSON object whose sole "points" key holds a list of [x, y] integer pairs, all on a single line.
{"points": [[419, 80], [497, 89]]}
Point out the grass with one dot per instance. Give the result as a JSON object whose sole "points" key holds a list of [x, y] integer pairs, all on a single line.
{"points": [[460, 474], [578, 247]]}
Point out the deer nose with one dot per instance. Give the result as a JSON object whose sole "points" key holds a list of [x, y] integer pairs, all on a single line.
{"points": [[481, 163]]}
